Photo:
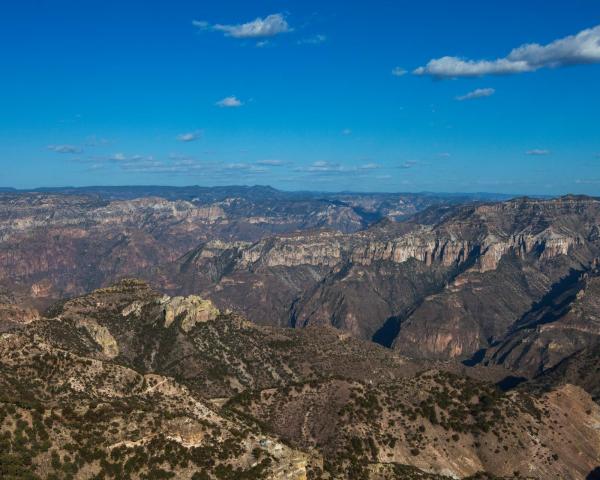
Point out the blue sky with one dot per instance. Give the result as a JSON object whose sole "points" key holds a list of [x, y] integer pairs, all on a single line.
{"points": [[337, 95]]}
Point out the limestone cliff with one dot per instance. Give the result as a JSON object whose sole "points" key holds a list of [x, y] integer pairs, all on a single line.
{"points": [[191, 310]]}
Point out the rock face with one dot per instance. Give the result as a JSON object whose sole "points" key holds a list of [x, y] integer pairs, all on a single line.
{"points": [[66, 242], [562, 324], [193, 310], [13, 311], [101, 336], [446, 284]]}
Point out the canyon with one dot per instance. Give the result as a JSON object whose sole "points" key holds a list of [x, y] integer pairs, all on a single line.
{"points": [[298, 335]]}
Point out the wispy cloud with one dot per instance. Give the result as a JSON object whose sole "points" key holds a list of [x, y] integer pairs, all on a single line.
{"points": [[121, 159], [346, 132], [408, 164], [258, 28], [582, 48], [246, 168], [147, 164], [538, 152], [172, 165], [330, 168], [314, 40], [118, 157], [229, 102], [477, 93], [189, 136], [217, 171], [369, 166], [271, 163], [398, 72], [73, 149], [322, 167], [444, 154]]}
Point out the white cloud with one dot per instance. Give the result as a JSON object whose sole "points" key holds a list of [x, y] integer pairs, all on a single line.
{"points": [[178, 165], [189, 136], [119, 157], [398, 72], [328, 168], [65, 148], [123, 159], [260, 27], [582, 48], [369, 166], [271, 163], [237, 166], [538, 152], [588, 181], [321, 167], [408, 164], [314, 40], [245, 168], [478, 93], [230, 102], [346, 131], [444, 154]]}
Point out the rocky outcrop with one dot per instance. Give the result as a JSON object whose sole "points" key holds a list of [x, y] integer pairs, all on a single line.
{"points": [[102, 336], [547, 244], [189, 310]]}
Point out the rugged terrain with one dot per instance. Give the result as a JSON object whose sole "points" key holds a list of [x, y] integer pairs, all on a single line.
{"points": [[60, 242], [500, 283], [129, 383], [297, 335], [457, 282]]}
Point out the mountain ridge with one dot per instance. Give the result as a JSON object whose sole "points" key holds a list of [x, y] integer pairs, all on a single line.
{"points": [[316, 402]]}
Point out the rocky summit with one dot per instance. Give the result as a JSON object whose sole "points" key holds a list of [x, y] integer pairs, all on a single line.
{"points": [[254, 334]]}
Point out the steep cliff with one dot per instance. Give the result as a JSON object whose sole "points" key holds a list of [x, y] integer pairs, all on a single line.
{"points": [[68, 241], [432, 289]]}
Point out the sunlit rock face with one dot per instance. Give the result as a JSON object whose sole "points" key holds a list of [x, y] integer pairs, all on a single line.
{"points": [[191, 310], [443, 285], [67, 243]]}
